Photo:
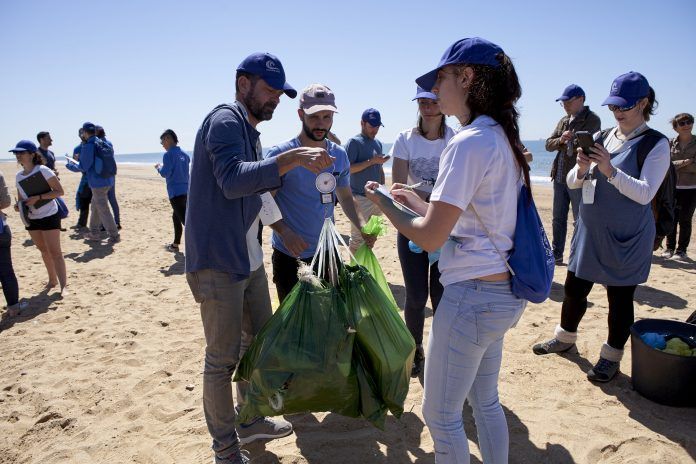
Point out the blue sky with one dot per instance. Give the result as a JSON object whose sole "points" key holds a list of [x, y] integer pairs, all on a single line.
{"points": [[139, 67]]}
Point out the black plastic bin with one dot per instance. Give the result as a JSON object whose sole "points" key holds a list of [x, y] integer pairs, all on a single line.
{"points": [[665, 378]]}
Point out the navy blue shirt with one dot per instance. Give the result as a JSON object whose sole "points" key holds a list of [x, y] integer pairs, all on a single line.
{"points": [[224, 198], [175, 168], [359, 149], [49, 157]]}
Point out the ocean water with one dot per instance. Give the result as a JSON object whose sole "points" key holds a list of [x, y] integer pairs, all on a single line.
{"points": [[541, 165]]}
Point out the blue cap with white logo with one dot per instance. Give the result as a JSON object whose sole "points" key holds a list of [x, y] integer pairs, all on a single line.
{"points": [[572, 91], [627, 89], [268, 68], [24, 145], [422, 93], [372, 117], [474, 50]]}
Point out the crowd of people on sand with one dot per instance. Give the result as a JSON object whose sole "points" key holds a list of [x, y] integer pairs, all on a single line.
{"points": [[464, 184]]}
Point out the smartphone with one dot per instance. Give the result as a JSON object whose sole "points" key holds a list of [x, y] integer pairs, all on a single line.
{"points": [[585, 141]]}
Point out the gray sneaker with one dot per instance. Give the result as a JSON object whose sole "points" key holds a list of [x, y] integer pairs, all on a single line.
{"points": [[240, 457], [263, 428], [554, 346], [603, 371], [667, 253]]}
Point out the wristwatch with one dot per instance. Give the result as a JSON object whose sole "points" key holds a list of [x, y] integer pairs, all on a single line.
{"points": [[613, 174]]}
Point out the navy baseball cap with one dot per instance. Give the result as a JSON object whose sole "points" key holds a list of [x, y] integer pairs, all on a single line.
{"points": [[268, 68], [24, 145], [474, 50], [372, 117], [422, 93], [571, 91], [627, 89], [89, 127]]}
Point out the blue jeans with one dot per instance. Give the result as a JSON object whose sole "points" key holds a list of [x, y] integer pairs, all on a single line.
{"points": [[114, 204], [463, 362], [562, 198]]}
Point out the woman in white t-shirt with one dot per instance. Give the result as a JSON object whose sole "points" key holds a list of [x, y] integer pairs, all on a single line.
{"points": [[482, 167], [43, 216], [416, 153]]}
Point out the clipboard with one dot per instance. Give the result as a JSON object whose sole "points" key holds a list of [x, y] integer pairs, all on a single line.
{"points": [[382, 190], [36, 184]]}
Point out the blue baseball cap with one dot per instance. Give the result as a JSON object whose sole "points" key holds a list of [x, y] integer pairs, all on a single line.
{"points": [[422, 93], [627, 89], [572, 91], [89, 127], [268, 68], [24, 145], [474, 50], [372, 117]]}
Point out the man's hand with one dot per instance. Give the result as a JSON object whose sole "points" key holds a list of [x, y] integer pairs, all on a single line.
{"points": [[157, 166], [312, 158], [293, 242], [367, 238], [380, 159], [567, 136]]}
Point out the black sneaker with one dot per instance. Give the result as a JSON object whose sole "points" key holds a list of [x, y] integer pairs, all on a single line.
{"points": [[240, 457], [554, 346], [603, 371], [418, 362]]}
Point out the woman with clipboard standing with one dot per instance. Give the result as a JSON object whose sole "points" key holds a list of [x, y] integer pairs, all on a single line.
{"points": [[37, 188]]}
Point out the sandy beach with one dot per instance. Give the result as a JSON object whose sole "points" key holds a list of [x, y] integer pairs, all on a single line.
{"points": [[112, 373]]}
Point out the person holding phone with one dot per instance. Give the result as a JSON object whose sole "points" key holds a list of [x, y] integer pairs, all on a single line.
{"points": [[613, 240], [481, 168], [43, 216], [416, 153], [366, 160], [683, 150]]}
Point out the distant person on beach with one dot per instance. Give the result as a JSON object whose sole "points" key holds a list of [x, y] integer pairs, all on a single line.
{"points": [[615, 231], [563, 141], [296, 236], [224, 259], [113, 202], [100, 183], [175, 169], [83, 196], [45, 141], [44, 219], [8, 279], [416, 153], [366, 160], [482, 168], [683, 152]]}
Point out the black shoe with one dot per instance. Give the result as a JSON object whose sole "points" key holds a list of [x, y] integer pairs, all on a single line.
{"points": [[603, 371], [118, 226], [418, 362]]}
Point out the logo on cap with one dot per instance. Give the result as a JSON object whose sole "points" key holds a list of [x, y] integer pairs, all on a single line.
{"points": [[271, 66], [614, 87]]}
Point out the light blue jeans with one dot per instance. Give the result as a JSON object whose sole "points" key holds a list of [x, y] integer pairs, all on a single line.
{"points": [[463, 362]]}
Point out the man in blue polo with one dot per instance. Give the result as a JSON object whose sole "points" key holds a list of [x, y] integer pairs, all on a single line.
{"points": [[563, 141], [366, 160], [224, 259], [100, 186], [45, 141], [303, 207]]}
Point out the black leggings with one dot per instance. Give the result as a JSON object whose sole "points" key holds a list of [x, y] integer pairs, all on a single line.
{"points": [[415, 268], [178, 216], [686, 204], [620, 308], [7, 275]]}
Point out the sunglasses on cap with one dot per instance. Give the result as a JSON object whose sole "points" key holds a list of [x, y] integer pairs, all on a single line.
{"points": [[621, 109], [685, 122]]}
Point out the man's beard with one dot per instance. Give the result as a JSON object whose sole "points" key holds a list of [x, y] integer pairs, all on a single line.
{"points": [[262, 112], [310, 132]]}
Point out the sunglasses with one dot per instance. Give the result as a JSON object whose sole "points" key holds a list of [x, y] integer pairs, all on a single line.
{"points": [[685, 122], [620, 109]]}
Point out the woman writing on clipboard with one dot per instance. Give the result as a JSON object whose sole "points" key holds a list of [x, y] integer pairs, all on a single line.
{"points": [[42, 216]]}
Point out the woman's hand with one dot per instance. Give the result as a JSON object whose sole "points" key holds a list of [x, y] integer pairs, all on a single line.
{"points": [[370, 194], [601, 156], [32, 200], [583, 162], [410, 199]]}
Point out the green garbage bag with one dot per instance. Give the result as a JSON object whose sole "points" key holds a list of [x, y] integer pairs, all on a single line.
{"points": [[385, 345], [365, 257], [302, 359], [375, 226]]}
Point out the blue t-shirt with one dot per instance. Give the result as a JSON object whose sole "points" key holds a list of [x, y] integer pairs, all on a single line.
{"points": [[49, 157], [359, 149], [299, 200]]}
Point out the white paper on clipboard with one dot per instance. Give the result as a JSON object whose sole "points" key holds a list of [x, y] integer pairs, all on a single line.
{"points": [[270, 213], [382, 190]]}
